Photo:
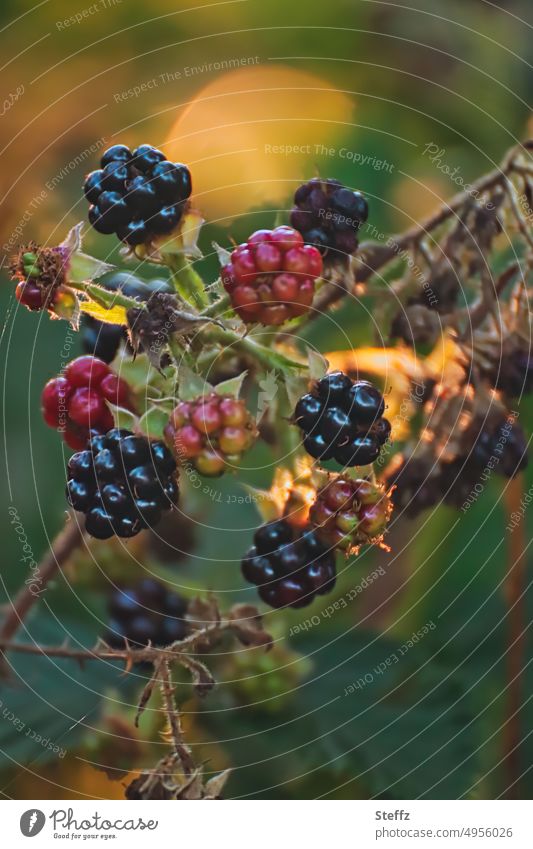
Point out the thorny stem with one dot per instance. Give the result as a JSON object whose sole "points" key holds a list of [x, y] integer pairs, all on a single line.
{"points": [[514, 592], [217, 308], [182, 750], [105, 297], [267, 357], [187, 282], [150, 654], [65, 543]]}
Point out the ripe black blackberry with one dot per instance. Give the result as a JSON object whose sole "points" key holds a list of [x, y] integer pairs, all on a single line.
{"points": [[329, 215], [122, 482], [103, 340], [137, 194], [146, 613], [343, 419], [289, 566]]}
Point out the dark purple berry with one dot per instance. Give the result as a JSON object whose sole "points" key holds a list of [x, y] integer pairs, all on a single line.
{"points": [[288, 566]]}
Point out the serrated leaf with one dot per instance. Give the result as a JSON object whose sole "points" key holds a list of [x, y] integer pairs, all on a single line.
{"points": [[232, 386], [410, 732], [190, 384], [84, 267], [153, 422], [124, 418], [318, 365], [48, 705], [295, 387], [223, 255], [115, 315]]}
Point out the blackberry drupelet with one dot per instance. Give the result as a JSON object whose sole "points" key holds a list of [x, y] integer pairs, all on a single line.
{"points": [[122, 482], [137, 194], [329, 215], [289, 566], [146, 613], [343, 419], [271, 277]]}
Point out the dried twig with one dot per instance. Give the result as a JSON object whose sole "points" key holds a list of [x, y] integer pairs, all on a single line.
{"points": [[63, 546]]}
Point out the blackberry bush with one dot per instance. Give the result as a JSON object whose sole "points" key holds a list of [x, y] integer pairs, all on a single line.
{"points": [[447, 401], [343, 419], [122, 483], [290, 567], [137, 194]]}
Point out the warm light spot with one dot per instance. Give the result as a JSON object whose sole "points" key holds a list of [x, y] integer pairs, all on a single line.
{"points": [[249, 136]]}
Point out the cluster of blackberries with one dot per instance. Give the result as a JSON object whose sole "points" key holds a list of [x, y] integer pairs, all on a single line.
{"points": [[328, 215], [122, 482], [146, 613], [271, 277], [137, 194], [348, 513], [76, 402], [423, 481], [343, 419], [211, 432], [289, 566], [103, 340]]}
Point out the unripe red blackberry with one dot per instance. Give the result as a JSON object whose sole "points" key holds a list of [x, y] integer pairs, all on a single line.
{"points": [[289, 566], [349, 513], [343, 419], [122, 482], [146, 613], [137, 194], [76, 402], [211, 432], [329, 215], [271, 277]]}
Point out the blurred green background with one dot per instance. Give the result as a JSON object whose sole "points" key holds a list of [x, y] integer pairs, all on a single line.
{"points": [[356, 90]]}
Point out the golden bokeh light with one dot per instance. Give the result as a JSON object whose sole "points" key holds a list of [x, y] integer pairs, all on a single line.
{"points": [[250, 136]]}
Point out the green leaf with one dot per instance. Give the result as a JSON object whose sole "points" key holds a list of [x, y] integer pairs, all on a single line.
{"points": [[232, 386], [153, 422], [318, 365], [223, 255], [53, 698], [295, 387], [190, 384], [123, 417], [409, 730]]}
